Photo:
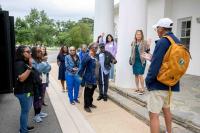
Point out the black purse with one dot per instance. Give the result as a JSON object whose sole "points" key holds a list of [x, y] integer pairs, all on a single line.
{"points": [[130, 61]]}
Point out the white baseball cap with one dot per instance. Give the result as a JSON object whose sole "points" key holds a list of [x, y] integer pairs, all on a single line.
{"points": [[164, 22]]}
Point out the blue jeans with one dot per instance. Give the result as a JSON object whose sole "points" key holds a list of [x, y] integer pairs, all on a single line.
{"points": [[25, 102], [111, 76], [73, 84]]}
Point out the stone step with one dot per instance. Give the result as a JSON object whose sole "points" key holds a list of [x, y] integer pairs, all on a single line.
{"points": [[70, 118], [137, 107]]}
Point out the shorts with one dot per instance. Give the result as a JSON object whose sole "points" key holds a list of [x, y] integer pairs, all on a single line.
{"points": [[157, 100]]}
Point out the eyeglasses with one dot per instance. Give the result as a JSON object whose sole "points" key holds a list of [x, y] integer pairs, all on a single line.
{"points": [[95, 47], [27, 51], [72, 50], [157, 28]]}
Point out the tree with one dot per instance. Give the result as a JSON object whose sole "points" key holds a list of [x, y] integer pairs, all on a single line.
{"points": [[33, 19], [23, 33], [20, 24], [80, 34], [63, 26], [63, 38], [41, 26], [38, 28], [88, 21]]}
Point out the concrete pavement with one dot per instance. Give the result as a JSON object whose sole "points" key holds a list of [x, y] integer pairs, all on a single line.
{"points": [[185, 105], [10, 112], [107, 118]]}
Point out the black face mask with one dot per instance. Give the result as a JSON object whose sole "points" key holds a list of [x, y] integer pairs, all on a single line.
{"points": [[102, 49], [75, 61]]}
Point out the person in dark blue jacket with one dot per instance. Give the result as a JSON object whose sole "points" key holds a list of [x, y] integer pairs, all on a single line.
{"points": [[89, 72], [159, 96], [83, 51]]}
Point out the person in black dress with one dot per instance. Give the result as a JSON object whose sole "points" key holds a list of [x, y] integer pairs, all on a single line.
{"points": [[61, 64]]}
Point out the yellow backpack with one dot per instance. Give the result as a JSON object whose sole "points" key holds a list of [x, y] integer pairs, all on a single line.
{"points": [[175, 63]]}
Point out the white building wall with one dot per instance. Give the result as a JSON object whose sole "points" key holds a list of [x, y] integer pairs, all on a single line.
{"points": [[189, 8], [132, 16], [116, 20], [175, 9], [155, 11], [104, 17]]}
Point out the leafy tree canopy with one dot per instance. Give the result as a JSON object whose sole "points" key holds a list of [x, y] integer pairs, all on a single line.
{"points": [[38, 28]]}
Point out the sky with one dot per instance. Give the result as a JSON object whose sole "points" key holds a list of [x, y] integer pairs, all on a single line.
{"points": [[55, 9]]}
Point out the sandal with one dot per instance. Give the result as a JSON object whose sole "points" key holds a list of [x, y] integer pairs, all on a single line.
{"points": [[137, 90], [141, 92]]}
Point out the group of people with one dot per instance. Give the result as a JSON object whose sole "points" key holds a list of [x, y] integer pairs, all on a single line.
{"points": [[32, 71], [159, 93], [90, 67], [95, 65]]}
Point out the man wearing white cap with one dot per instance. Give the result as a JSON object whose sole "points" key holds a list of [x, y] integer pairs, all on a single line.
{"points": [[159, 97]]}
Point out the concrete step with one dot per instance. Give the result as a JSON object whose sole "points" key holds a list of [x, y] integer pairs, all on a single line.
{"points": [[137, 107], [70, 118]]}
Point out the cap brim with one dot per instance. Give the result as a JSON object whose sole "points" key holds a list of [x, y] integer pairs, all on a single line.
{"points": [[155, 26]]}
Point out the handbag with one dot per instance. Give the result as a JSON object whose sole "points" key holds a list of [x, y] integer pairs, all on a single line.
{"points": [[130, 61]]}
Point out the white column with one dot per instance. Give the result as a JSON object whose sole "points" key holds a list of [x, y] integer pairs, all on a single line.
{"points": [[104, 18], [132, 16]]}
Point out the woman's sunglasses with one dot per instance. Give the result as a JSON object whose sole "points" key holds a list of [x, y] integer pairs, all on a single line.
{"points": [[28, 51]]}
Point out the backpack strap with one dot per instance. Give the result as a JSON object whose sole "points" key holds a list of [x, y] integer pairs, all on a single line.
{"points": [[170, 39], [170, 89], [169, 95]]}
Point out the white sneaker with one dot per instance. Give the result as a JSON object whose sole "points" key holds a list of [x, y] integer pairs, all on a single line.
{"points": [[37, 118], [43, 115]]}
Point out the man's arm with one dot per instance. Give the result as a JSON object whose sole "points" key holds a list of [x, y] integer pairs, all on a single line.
{"points": [[68, 67], [156, 61], [113, 60], [83, 65]]}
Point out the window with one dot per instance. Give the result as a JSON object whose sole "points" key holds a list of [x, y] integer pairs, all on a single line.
{"points": [[184, 31]]}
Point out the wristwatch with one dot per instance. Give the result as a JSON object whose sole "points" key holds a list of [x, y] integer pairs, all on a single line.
{"points": [[29, 68]]}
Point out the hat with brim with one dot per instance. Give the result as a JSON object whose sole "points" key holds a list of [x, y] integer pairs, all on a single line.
{"points": [[164, 22], [101, 45]]}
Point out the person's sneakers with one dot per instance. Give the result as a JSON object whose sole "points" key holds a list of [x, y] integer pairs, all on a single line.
{"points": [[99, 98], [44, 104], [72, 103], [64, 90], [30, 128], [88, 110], [77, 101], [37, 118], [105, 98], [43, 115], [93, 106]]}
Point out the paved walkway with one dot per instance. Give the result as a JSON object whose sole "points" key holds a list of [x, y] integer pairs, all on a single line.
{"points": [[107, 118], [185, 105], [10, 111]]}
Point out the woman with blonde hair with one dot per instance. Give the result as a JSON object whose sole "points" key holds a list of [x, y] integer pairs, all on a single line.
{"points": [[138, 47]]}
